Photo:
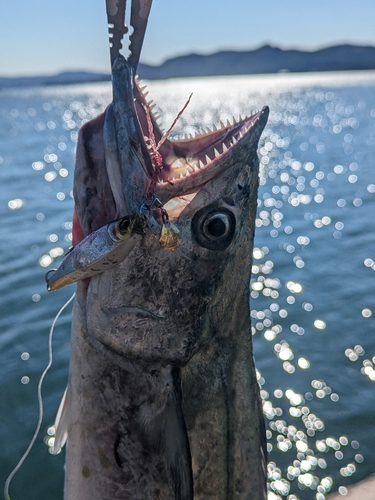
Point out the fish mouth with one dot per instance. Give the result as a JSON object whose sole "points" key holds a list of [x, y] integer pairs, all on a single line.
{"points": [[189, 163], [151, 164]]}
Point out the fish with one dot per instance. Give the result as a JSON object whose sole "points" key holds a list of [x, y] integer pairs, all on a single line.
{"points": [[162, 399]]}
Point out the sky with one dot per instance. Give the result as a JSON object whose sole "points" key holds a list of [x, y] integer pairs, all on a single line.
{"points": [[43, 37]]}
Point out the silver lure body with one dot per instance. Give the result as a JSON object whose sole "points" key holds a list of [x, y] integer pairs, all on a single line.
{"points": [[99, 251]]}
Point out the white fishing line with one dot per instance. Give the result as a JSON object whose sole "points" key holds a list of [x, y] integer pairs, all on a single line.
{"points": [[40, 402]]}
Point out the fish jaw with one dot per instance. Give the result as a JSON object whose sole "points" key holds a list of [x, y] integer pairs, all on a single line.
{"points": [[134, 160], [203, 158], [189, 163], [186, 164]]}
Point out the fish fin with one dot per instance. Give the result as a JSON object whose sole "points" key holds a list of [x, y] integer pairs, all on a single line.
{"points": [[61, 422]]}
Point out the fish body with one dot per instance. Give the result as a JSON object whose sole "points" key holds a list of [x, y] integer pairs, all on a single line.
{"points": [[163, 401]]}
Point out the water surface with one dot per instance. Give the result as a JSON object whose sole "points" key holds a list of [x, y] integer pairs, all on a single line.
{"points": [[313, 286]]}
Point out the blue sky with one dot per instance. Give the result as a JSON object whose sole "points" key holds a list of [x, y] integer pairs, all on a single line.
{"points": [[49, 36]]}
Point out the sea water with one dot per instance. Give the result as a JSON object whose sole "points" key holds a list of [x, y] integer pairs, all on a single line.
{"points": [[313, 284]]}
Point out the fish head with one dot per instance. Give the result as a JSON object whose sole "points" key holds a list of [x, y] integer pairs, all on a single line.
{"points": [[158, 305]]}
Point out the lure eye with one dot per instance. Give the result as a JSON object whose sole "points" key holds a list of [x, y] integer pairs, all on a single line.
{"points": [[127, 226], [123, 227], [124, 224], [214, 228]]}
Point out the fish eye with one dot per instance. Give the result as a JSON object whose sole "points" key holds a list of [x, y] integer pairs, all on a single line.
{"points": [[214, 228]]}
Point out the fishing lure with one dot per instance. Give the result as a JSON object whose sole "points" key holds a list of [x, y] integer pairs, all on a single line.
{"points": [[98, 252]]}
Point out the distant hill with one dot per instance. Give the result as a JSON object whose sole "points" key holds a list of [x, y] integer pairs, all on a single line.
{"points": [[68, 77], [266, 59]]}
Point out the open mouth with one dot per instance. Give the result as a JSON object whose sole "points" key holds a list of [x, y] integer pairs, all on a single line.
{"points": [[187, 164]]}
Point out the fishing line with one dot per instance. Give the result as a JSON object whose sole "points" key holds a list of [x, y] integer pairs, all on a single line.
{"points": [[40, 401]]}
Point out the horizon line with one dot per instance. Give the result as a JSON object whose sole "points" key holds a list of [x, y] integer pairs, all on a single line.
{"points": [[203, 54]]}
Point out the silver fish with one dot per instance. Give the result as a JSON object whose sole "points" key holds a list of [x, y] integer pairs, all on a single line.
{"points": [[162, 400]]}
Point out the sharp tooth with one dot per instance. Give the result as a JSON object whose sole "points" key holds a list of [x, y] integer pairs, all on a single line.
{"points": [[181, 175], [145, 94], [152, 106], [240, 135], [234, 120], [216, 153], [208, 159], [208, 130], [224, 148], [189, 169], [196, 168], [214, 128], [234, 141], [201, 164], [222, 124], [143, 88], [229, 123]]}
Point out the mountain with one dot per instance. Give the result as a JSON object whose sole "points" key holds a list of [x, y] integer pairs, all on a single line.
{"points": [[266, 59]]}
